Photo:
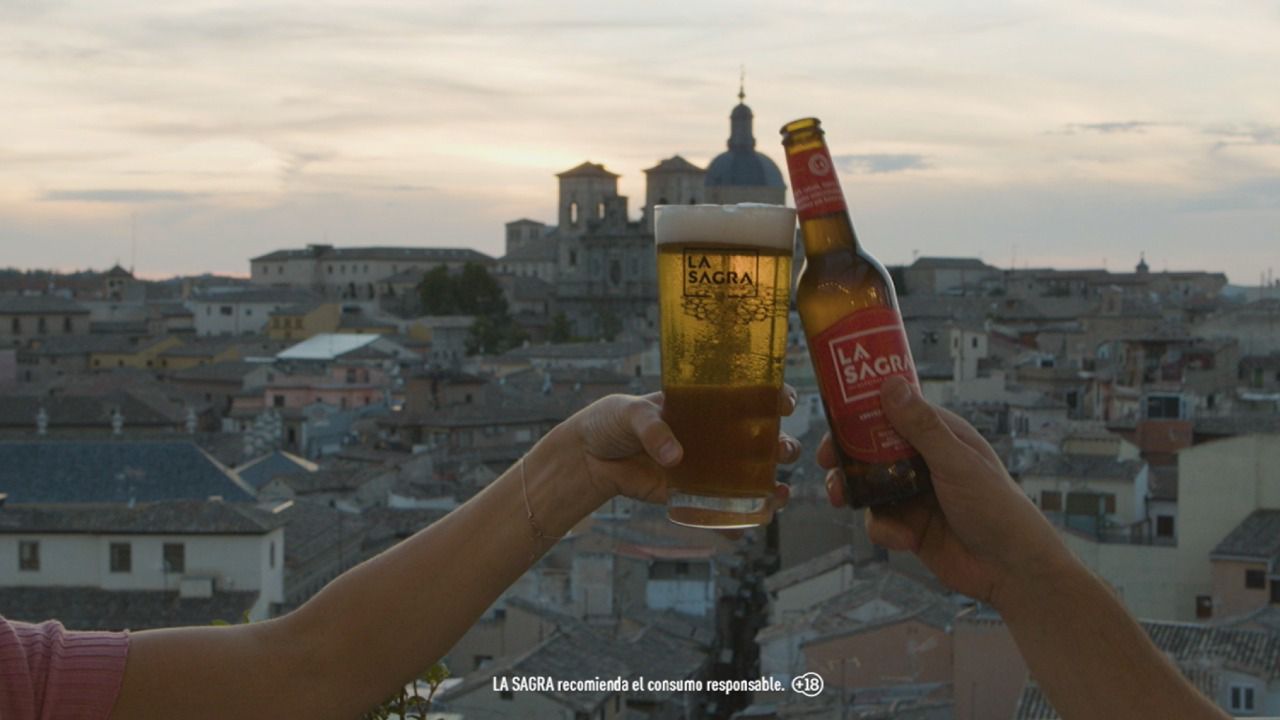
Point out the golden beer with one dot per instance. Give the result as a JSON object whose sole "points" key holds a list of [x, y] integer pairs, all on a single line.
{"points": [[724, 275]]}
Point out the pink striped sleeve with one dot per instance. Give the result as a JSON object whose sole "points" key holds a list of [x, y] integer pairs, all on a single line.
{"points": [[50, 673]]}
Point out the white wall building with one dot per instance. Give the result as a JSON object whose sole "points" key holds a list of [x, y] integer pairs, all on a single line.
{"points": [[241, 313], [194, 548]]}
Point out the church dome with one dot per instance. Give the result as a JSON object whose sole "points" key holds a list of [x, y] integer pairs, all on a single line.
{"points": [[741, 165]]}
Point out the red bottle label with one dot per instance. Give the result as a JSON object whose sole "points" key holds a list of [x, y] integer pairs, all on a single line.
{"points": [[853, 357], [814, 184]]}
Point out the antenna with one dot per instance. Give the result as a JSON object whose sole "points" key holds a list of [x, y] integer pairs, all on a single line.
{"points": [[742, 83], [133, 251]]}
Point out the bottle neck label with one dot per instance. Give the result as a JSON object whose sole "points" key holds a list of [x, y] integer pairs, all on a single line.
{"points": [[853, 357], [814, 183]]}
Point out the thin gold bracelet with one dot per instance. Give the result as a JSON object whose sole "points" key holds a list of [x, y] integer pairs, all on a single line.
{"points": [[533, 524]]}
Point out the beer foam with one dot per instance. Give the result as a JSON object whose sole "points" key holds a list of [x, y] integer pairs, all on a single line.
{"points": [[751, 224]]}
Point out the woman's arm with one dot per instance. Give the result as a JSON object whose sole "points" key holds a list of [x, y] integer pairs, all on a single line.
{"points": [[385, 621], [982, 537]]}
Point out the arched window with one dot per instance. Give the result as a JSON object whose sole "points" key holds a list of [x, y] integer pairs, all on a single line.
{"points": [[573, 213], [600, 210]]}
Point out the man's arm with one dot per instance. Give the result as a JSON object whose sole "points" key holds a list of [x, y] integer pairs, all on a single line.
{"points": [[981, 536]]}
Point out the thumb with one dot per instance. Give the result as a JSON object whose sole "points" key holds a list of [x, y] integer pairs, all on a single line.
{"points": [[919, 423], [655, 436]]}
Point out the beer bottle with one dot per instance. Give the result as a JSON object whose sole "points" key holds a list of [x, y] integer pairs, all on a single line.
{"points": [[856, 340]]}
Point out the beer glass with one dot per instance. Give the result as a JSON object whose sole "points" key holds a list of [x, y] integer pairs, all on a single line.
{"points": [[724, 276]]}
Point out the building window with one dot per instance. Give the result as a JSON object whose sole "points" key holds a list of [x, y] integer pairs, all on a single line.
{"points": [[121, 557], [973, 343], [1109, 504], [573, 262], [280, 270], [1275, 592], [277, 401], [1241, 698], [29, 555], [66, 324], [266, 269], [1204, 607], [573, 213], [329, 268], [271, 555], [17, 326], [682, 568], [1164, 526], [600, 210], [42, 325], [1050, 500], [1255, 579], [226, 310], [175, 558]]}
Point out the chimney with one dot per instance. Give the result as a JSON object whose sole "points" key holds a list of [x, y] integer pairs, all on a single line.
{"points": [[42, 422]]}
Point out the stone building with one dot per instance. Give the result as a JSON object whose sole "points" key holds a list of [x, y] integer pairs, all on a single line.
{"points": [[601, 261], [353, 273]]}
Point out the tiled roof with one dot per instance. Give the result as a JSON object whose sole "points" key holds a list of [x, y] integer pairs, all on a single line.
{"points": [[80, 472], [226, 371], [407, 254], [288, 296], [61, 345], [675, 164], [80, 410], [1257, 536], [592, 350], [1033, 705], [878, 596], [587, 169], [810, 568], [39, 305], [90, 608], [950, 263], [539, 250], [1078, 465], [1201, 652], [262, 470], [314, 528], [179, 517]]}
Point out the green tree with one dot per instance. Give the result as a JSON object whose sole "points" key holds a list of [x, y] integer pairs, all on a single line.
{"points": [[439, 292], [559, 331], [610, 324], [412, 706], [495, 333], [472, 291]]}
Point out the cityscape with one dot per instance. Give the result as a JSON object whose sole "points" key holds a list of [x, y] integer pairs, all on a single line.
{"points": [[217, 448]]}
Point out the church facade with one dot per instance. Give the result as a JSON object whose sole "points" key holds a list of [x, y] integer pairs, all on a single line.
{"points": [[599, 260]]}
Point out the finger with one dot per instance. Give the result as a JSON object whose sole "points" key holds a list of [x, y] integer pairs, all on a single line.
{"points": [[788, 448], [787, 400], [654, 397], [920, 424], [835, 487], [827, 452], [968, 434], [894, 528], [655, 435]]}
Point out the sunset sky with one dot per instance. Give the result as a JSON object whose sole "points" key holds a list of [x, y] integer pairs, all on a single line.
{"points": [[1071, 134]]}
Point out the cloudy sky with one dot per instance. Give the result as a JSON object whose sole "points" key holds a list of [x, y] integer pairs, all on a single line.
{"points": [[1045, 133]]}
